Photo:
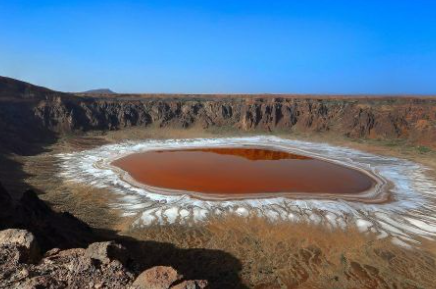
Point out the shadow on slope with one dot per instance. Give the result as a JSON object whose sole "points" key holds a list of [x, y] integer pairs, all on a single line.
{"points": [[63, 230]]}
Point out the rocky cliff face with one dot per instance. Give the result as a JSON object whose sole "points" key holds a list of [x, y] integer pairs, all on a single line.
{"points": [[409, 119]]}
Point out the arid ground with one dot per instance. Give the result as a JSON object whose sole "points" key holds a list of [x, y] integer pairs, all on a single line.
{"points": [[260, 252], [270, 254]]}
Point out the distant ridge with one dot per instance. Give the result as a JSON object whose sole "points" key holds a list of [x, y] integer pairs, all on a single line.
{"points": [[100, 91], [13, 88]]}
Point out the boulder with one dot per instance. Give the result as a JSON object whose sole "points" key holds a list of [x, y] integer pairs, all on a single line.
{"points": [[159, 277], [107, 252], [23, 239]]}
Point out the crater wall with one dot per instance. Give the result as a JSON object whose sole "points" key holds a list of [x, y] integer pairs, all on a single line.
{"points": [[30, 108]]}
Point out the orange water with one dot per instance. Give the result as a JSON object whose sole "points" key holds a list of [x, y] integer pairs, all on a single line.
{"points": [[241, 171]]}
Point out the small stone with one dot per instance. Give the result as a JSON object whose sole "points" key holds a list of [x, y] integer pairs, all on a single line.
{"points": [[159, 277], [107, 252]]}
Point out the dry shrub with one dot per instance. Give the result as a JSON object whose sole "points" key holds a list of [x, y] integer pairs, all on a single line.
{"points": [[280, 254]]}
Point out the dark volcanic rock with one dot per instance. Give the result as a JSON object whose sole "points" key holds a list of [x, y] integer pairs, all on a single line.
{"points": [[42, 111]]}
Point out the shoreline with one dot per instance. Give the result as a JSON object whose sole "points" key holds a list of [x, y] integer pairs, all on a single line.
{"points": [[378, 193]]}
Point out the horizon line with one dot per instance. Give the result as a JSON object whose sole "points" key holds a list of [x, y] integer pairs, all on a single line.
{"points": [[325, 94]]}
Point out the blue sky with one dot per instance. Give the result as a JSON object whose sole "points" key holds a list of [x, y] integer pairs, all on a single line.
{"points": [[222, 46]]}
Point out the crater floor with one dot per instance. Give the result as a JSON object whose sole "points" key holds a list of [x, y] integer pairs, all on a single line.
{"points": [[399, 207]]}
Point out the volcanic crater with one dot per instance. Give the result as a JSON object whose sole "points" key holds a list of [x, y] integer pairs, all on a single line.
{"points": [[330, 187]]}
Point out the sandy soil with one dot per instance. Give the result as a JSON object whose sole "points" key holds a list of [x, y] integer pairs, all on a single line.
{"points": [[272, 255]]}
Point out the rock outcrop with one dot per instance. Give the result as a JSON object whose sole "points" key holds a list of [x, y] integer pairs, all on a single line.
{"points": [[77, 268], [24, 241], [29, 260], [71, 268], [46, 112]]}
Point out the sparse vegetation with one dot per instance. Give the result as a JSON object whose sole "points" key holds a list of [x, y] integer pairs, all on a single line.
{"points": [[423, 149], [275, 254], [271, 254]]}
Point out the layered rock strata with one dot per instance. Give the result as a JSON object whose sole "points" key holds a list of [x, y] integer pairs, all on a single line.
{"points": [[24, 107]]}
